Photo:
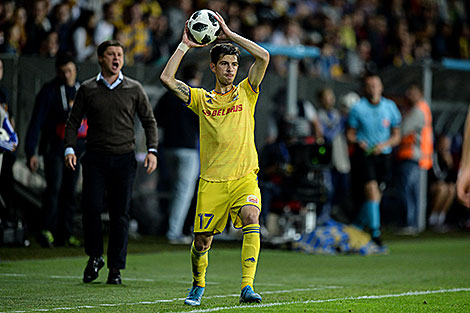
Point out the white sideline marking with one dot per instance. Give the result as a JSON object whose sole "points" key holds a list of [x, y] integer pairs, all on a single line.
{"points": [[165, 300], [404, 294], [12, 274]]}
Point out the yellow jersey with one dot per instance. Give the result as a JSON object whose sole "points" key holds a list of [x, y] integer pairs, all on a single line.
{"points": [[227, 131]]}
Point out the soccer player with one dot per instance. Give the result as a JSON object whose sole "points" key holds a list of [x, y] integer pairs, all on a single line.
{"points": [[229, 160]]}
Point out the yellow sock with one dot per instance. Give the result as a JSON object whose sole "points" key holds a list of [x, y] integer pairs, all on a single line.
{"points": [[199, 262], [250, 252]]}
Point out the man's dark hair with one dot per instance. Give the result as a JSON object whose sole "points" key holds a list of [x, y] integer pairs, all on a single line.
{"points": [[222, 49], [369, 74], [415, 84], [64, 58], [108, 43]]}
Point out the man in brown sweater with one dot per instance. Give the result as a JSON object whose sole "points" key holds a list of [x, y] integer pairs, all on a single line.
{"points": [[109, 101]]}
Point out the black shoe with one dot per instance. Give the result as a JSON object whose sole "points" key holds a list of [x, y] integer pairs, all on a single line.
{"points": [[92, 269], [114, 277], [378, 241]]}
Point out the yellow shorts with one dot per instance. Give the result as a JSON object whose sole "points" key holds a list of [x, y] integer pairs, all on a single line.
{"points": [[215, 200]]}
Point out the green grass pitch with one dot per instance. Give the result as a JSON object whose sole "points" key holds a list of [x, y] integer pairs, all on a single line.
{"points": [[423, 274]]}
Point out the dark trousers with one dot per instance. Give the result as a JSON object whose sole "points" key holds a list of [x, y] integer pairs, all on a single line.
{"points": [[107, 183], [58, 202]]}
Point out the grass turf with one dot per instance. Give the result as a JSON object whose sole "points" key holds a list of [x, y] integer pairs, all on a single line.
{"points": [[436, 268]]}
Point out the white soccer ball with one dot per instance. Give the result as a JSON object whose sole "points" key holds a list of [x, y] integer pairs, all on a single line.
{"points": [[203, 27]]}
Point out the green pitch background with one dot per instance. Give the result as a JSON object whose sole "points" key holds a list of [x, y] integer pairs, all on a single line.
{"points": [[423, 274]]}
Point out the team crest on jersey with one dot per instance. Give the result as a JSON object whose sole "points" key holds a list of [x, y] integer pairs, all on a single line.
{"points": [[252, 199], [385, 123]]}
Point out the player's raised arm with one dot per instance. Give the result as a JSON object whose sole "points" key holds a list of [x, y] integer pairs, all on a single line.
{"points": [[179, 88], [258, 68]]}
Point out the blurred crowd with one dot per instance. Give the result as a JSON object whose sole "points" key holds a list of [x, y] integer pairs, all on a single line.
{"points": [[352, 35]]}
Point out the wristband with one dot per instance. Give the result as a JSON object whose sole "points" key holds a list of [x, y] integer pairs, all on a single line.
{"points": [[183, 47], [154, 152]]}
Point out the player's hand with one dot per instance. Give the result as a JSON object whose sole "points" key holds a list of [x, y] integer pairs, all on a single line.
{"points": [[71, 161], [378, 149], [362, 145], [186, 38], [225, 33], [150, 163], [463, 187], [33, 163]]}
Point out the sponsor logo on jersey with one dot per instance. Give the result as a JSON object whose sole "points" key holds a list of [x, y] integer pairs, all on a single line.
{"points": [[252, 199], [223, 112]]}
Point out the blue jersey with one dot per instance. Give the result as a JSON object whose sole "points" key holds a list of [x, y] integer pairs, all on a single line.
{"points": [[373, 123]]}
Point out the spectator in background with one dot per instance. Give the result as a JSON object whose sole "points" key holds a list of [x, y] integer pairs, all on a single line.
{"points": [[151, 8], [347, 36], [262, 32], [37, 26], [11, 43], [136, 37], [463, 41], [82, 34], [180, 147], [359, 61], [333, 128], [20, 18], [52, 107], [7, 14], [110, 102], [442, 183], [378, 37], [177, 13], [291, 34], [422, 50], [374, 129], [160, 38], [328, 64], [61, 24], [301, 118], [414, 154], [49, 45], [105, 27]]}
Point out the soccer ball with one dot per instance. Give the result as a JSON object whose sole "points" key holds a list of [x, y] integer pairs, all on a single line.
{"points": [[203, 27]]}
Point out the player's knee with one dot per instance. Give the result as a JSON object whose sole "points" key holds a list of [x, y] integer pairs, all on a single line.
{"points": [[250, 215], [202, 242], [372, 191]]}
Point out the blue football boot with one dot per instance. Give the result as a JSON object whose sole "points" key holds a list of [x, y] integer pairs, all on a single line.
{"points": [[249, 296], [194, 296]]}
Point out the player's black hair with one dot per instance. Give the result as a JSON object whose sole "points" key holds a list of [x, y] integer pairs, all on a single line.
{"points": [[108, 43], [222, 49], [64, 58]]}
